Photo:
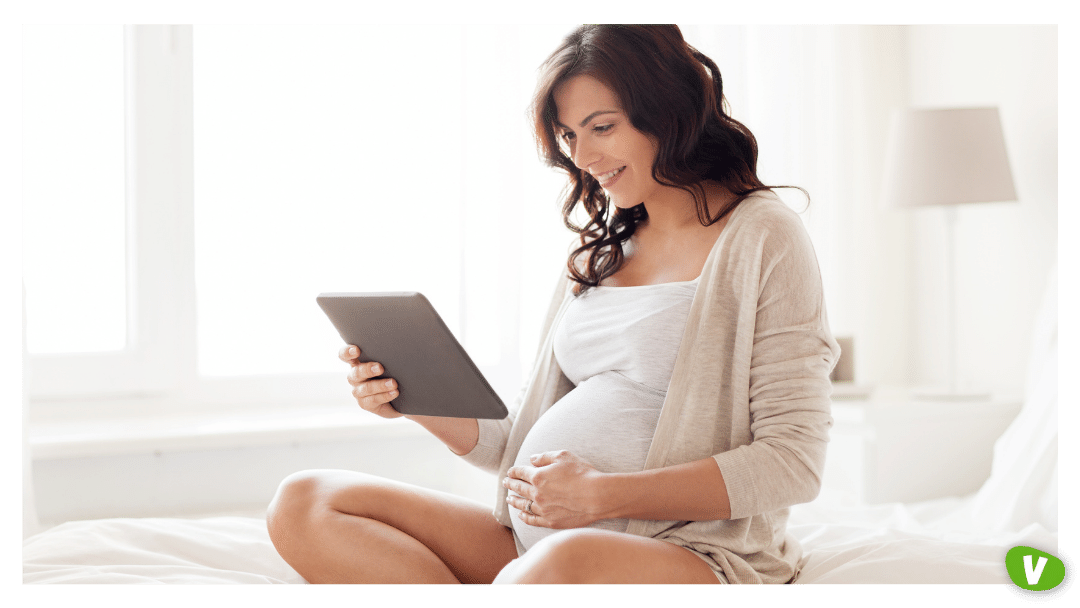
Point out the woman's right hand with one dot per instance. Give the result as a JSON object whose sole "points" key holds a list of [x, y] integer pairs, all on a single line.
{"points": [[372, 395]]}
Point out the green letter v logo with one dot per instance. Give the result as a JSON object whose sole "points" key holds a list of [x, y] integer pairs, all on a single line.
{"points": [[1034, 570]]}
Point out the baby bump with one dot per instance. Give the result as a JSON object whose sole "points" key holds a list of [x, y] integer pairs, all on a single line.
{"points": [[608, 420]]}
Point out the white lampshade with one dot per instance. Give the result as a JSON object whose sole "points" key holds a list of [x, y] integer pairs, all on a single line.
{"points": [[946, 157]]}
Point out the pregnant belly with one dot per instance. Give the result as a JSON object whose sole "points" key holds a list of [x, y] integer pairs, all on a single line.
{"points": [[609, 421]]}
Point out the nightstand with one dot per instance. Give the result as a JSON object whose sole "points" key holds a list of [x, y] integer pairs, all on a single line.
{"points": [[889, 447]]}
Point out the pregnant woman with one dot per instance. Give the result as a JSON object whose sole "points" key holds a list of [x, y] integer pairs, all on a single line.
{"points": [[680, 400]]}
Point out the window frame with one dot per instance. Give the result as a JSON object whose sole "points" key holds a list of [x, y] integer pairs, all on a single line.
{"points": [[158, 196]]}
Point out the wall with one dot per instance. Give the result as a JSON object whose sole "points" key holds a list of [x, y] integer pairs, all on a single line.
{"points": [[1004, 251], [868, 295], [191, 482]]}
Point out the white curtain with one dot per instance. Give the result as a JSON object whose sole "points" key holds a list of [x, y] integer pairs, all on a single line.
{"points": [[1022, 488]]}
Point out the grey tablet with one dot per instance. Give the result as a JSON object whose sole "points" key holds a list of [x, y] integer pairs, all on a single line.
{"points": [[403, 332]]}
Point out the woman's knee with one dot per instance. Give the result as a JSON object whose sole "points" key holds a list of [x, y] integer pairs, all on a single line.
{"points": [[293, 498], [295, 493], [300, 499], [565, 557]]}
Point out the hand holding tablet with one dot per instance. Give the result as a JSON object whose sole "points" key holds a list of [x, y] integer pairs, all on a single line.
{"points": [[403, 335], [372, 395]]}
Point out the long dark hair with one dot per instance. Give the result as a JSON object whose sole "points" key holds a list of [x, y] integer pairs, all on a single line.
{"points": [[668, 90]]}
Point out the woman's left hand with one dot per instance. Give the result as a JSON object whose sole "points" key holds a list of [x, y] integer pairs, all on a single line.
{"points": [[562, 489]]}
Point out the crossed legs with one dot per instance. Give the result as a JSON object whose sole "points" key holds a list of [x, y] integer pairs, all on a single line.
{"points": [[347, 527]]}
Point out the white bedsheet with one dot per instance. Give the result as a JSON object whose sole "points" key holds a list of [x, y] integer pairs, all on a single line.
{"points": [[897, 543], [887, 544], [156, 550]]}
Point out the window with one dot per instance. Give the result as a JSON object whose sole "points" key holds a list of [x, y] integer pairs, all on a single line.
{"points": [[267, 164], [126, 252], [73, 158]]}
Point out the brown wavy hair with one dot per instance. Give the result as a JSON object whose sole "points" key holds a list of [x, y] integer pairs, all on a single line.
{"points": [[670, 91]]}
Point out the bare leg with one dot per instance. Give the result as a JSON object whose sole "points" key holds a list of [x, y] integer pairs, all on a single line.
{"points": [[602, 556], [346, 527]]}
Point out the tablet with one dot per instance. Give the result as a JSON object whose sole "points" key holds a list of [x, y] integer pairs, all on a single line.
{"points": [[408, 338]]}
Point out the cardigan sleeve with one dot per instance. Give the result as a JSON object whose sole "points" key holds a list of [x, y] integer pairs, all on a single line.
{"points": [[491, 442], [790, 356]]}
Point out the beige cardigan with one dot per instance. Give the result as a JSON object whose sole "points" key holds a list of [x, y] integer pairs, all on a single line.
{"points": [[750, 388]]}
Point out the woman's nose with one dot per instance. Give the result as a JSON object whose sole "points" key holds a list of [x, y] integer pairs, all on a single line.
{"points": [[583, 154]]}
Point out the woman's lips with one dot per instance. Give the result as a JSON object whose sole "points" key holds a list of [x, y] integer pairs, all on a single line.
{"points": [[609, 178]]}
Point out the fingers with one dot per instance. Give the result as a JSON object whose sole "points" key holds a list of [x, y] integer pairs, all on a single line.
{"points": [[532, 513], [349, 353], [516, 473], [528, 473], [362, 372], [520, 503], [372, 394], [515, 483], [534, 520], [546, 458]]}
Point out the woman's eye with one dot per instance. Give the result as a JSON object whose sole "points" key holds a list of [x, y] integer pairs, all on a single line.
{"points": [[567, 136], [602, 128]]}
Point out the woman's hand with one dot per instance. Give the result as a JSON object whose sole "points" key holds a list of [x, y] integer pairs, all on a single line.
{"points": [[562, 488], [372, 395]]}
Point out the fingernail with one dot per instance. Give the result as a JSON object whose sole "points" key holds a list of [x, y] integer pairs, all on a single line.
{"points": [[352, 351], [375, 369], [393, 394], [390, 382]]}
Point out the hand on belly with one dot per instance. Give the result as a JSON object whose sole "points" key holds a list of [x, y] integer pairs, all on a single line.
{"points": [[559, 489]]}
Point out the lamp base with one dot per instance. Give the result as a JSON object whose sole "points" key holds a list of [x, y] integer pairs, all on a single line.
{"points": [[947, 394]]}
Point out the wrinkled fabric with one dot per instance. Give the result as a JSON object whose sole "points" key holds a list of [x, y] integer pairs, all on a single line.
{"points": [[156, 550]]}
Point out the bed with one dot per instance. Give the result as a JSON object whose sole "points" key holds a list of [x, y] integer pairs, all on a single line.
{"points": [[951, 540], [884, 544]]}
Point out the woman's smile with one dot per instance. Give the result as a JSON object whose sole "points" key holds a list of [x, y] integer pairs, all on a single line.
{"points": [[607, 179]]}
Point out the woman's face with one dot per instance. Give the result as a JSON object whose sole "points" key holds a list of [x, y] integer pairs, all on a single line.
{"points": [[601, 140]]}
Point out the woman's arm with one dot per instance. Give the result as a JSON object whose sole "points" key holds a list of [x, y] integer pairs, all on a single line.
{"points": [[459, 434], [561, 490], [784, 429]]}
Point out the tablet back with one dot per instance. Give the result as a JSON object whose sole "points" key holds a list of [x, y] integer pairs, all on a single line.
{"points": [[407, 337]]}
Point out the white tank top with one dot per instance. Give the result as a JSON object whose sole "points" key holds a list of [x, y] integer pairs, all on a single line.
{"points": [[618, 346]]}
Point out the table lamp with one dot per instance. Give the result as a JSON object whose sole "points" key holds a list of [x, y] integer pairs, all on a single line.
{"points": [[947, 157]]}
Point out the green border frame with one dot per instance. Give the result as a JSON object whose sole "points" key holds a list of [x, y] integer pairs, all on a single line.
{"points": [[485, 11]]}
